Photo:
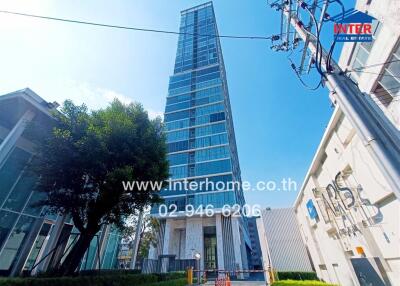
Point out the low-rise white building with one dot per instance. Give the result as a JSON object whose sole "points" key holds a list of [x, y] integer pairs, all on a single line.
{"points": [[348, 214], [282, 247]]}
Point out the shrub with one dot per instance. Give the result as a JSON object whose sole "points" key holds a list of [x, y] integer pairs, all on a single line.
{"points": [[108, 272], [297, 275], [100, 280], [176, 282], [170, 275], [300, 283]]}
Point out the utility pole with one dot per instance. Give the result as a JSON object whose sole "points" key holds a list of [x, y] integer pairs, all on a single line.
{"points": [[379, 136]]}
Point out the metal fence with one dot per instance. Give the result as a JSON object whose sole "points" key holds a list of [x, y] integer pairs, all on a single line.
{"points": [[166, 263]]}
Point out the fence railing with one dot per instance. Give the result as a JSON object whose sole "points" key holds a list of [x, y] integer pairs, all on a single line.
{"points": [[166, 264]]}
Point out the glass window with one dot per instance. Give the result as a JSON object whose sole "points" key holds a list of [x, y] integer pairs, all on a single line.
{"points": [[178, 106], [214, 167], [110, 252], [214, 108], [212, 154], [7, 220], [389, 83], [20, 193], [364, 48], [11, 170], [178, 98], [210, 129], [90, 256], [394, 66], [214, 179], [178, 146], [37, 246], [213, 140], [13, 246], [218, 200], [178, 135], [177, 124], [215, 117], [176, 115], [178, 172], [31, 208], [178, 159]]}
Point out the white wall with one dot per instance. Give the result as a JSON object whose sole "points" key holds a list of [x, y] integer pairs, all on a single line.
{"points": [[381, 238]]}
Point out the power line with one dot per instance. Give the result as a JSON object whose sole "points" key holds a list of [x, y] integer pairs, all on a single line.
{"points": [[380, 74], [374, 65], [135, 28]]}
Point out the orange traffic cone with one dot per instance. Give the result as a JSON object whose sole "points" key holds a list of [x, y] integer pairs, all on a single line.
{"points": [[228, 280]]}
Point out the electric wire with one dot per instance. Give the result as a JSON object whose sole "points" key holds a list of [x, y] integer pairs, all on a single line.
{"points": [[301, 80], [373, 65], [367, 72], [330, 53], [134, 28], [318, 54]]}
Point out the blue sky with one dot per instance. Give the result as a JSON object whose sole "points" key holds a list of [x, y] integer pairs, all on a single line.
{"points": [[278, 122]]}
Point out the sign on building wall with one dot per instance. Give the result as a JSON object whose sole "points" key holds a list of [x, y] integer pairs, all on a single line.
{"points": [[353, 26], [338, 202], [311, 209]]}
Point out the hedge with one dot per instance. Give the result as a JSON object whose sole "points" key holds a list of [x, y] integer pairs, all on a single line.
{"points": [[300, 283], [100, 280], [170, 276], [109, 272], [293, 275], [177, 282]]}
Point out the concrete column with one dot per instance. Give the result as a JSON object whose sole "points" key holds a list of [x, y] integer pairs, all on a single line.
{"points": [[237, 245], [266, 263], [152, 252], [220, 242], [137, 240], [167, 237], [15, 133], [194, 239]]}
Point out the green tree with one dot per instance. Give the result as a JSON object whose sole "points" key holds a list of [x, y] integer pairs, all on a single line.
{"points": [[85, 160], [147, 234]]}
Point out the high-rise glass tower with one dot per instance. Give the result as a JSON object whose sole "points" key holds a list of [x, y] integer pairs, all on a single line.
{"points": [[201, 149]]}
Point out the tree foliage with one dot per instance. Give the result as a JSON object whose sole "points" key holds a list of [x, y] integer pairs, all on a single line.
{"points": [[147, 234], [85, 159]]}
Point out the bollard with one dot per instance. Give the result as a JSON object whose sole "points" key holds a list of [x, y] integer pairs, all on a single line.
{"points": [[190, 276]]}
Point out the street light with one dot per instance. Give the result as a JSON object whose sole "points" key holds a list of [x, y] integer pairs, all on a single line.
{"points": [[197, 256]]}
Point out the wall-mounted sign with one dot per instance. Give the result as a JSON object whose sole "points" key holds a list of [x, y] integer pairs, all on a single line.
{"points": [[312, 211], [337, 200]]}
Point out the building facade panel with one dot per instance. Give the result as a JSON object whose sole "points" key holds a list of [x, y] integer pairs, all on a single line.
{"points": [[283, 248]]}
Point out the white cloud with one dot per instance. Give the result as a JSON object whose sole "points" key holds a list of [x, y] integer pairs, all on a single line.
{"points": [[95, 97], [154, 113]]}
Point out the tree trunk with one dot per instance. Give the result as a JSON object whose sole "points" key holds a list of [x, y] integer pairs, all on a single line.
{"points": [[77, 252]]}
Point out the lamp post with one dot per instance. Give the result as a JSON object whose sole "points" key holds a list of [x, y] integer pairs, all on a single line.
{"points": [[197, 256]]}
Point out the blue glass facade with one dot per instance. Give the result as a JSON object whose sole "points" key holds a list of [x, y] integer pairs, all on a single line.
{"points": [[24, 227], [198, 121]]}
